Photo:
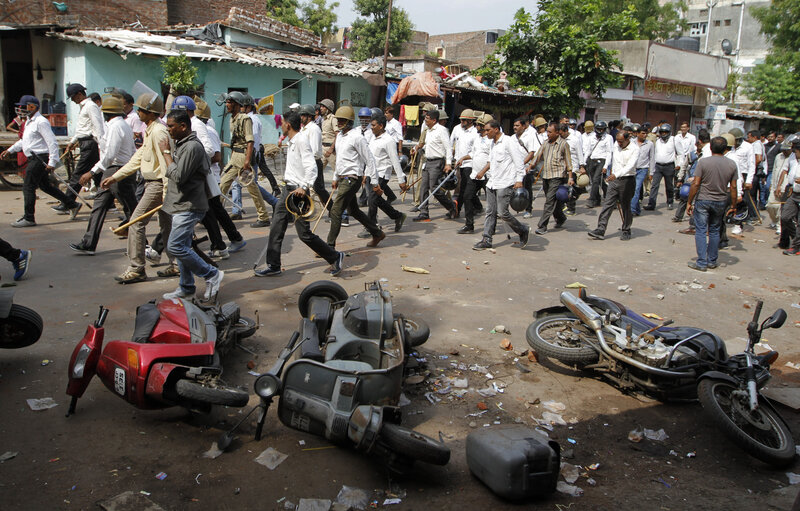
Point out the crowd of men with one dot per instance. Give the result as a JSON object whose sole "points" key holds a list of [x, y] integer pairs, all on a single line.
{"points": [[168, 167]]}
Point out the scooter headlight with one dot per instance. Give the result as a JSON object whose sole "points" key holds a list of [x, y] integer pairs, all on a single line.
{"points": [[80, 361], [267, 385]]}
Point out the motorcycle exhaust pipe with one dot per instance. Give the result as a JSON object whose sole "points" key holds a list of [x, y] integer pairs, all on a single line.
{"points": [[592, 319]]}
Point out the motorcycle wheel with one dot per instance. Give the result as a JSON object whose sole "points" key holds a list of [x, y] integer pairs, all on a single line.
{"points": [[244, 328], [321, 288], [417, 331], [556, 337], [226, 396], [21, 328], [761, 432], [412, 444]]}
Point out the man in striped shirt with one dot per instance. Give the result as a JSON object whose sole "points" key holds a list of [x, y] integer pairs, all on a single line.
{"points": [[556, 171]]}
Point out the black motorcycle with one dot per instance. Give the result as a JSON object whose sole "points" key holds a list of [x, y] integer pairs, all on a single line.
{"points": [[20, 326], [598, 334]]}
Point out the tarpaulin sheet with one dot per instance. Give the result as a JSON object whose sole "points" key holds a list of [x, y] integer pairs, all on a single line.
{"points": [[391, 88], [418, 84]]}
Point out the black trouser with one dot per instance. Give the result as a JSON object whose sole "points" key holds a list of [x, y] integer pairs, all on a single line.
{"points": [[319, 186], [224, 219], [280, 220], [552, 206], [37, 176], [123, 191], [594, 168], [430, 180], [527, 183], [619, 195], [377, 201], [259, 162], [666, 171], [463, 181], [790, 221], [8, 252], [471, 196], [750, 198], [209, 221], [90, 155], [346, 200]]}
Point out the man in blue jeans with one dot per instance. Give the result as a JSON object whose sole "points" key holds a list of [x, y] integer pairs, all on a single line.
{"points": [[645, 164], [186, 201], [714, 182]]}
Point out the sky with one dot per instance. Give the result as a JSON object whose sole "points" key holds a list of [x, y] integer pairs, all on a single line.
{"points": [[448, 16]]}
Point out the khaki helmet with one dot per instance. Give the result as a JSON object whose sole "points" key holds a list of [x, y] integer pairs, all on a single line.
{"points": [[588, 126], [583, 180], [112, 104], [467, 113], [730, 139], [150, 102], [478, 114], [443, 115], [200, 105], [328, 103], [484, 119], [737, 133], [345, 112], [204, 111], [539, 121]]}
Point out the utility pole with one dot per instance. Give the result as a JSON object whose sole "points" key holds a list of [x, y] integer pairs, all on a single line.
{"points": [[386, 46], [710, 6]]}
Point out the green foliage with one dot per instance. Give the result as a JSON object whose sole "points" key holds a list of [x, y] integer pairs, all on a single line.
{"points": [[734, 82], [369, 31], [780, 22], [657, 22], [285, 11], [179, 73], [319, 17]]}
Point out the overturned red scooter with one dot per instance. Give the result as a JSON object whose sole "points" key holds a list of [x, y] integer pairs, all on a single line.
{"points": [[173, 358]]}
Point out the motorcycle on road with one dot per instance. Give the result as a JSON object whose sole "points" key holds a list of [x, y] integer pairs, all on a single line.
{"points": [[601, 335], [20, 326]]}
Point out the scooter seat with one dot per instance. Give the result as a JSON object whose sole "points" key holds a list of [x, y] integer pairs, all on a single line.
{"points": [[352, 366], [147, 316]]}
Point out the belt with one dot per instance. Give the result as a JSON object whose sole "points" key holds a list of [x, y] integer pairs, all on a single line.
{"points": [[85, 139], [238, 149], [327, 145], [153, 181], [434, 159]]}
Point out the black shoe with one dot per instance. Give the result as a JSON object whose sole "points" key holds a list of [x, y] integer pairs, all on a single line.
{"points": [[236, 216], [482, 245], [269, 271], [60, 208], [523, 238], [260, 223], [723, 244], [364, 234], [597, 235], [73, 211], [626, 235], [541, 231], [669, 206], [648, 208], [712, 266], [466, 230], [81, 248], [345, 221], [560, 224], [693, 265], [398, 224], [421, 218], [336, 268], [676, 219]]}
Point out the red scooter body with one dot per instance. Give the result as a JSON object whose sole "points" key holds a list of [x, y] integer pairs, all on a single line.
{"points": [[170, 340]]}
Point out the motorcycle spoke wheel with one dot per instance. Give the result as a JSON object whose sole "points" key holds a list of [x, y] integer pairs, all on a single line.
{"points": [[760, 432], [211, 392], [562, 337]]}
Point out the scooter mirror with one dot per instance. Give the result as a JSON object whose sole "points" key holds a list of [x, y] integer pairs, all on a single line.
{"points": [[267, 385], [775, 321]]}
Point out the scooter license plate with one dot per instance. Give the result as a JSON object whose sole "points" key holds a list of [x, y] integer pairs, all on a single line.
{"points": [[119, 381]]}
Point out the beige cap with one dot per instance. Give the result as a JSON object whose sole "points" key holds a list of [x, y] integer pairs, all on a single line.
{"points": [[485, 119], [467, 113], [112, 104], [150, 102], [539, 121], [730, 139], [588, 126]]}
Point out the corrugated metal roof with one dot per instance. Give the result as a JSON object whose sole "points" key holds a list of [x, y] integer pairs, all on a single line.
{"points": [[754, 114], [127, 42]]}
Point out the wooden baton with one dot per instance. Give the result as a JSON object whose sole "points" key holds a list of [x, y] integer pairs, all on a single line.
{"points": [[139, 218]]}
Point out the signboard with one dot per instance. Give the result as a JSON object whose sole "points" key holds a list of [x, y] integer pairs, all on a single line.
{"points": [[652, 90], [716, 112]]}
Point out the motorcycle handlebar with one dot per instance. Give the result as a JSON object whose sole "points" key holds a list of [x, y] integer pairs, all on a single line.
{"points": [[757, 312]]}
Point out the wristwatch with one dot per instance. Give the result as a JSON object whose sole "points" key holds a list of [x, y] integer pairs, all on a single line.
{"points": [[166, 151]]}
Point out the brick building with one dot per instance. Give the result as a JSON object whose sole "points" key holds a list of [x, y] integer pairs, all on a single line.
{"points": [[469, 49]]}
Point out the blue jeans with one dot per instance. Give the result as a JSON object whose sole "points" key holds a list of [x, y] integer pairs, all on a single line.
{"points": [[179, 246], [636, 207], [764, 191], [708, 216], [236, 197]]}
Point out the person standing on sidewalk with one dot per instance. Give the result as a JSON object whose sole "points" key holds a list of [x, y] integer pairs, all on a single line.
{"points": [[438, 160], [39, 145], [150, 162], [89, 131], [507, 172], [621, 182], [186, 200], [300, 176], [556, 171], [715, 181], [116, 149]]}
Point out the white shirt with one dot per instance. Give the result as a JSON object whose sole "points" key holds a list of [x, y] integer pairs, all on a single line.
{"points": [[200, 129], [522, 145], [624, 160], [706, 151], [575, 150], [257, 128], [90, 122], [531, 140], [665, 151], [301, 167], [384, 150], [685, 144], [747, 160], [368, 135], [395, 130], [314, 136], [480, 155], [462, 141], [506, 165], [352, 156], [116, 145], [600, 149], [793, 173], [136, 124], [215, 141], [37, 138], [731, 155], [437, 144]]}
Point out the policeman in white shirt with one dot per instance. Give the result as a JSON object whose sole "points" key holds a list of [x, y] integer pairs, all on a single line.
{"points": [[665, 154], [789, 180], [760, 179], [685, 144], [598, 160], [354, 162], [393, 127], [313, 133], [299, 175], [528, 143], [384, 149], [479, 157], [39, 145], [438, 159], [747, 167], [506, 170], [621, 184], [88, 132], [116, 148], [462, 138]]}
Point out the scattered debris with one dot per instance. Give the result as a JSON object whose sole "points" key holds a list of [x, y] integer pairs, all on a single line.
{"points": [[46, 362], [733, 277], [683, 288], [389, 502], [555, 406], [314, 505], [793, 365], [41, 404], [353, 498], [482, 406], [553, 418], [8, 455], [161, 476], [271, 458], [636, 436], [575, 285], [624, 289], [130, 500], [569, 472], [696, 286], [500, 329], [506, 345], [692, 454], [413, 269], [593, 466], [658, 436], [214, 452], [660, 296], [568, 489]]}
